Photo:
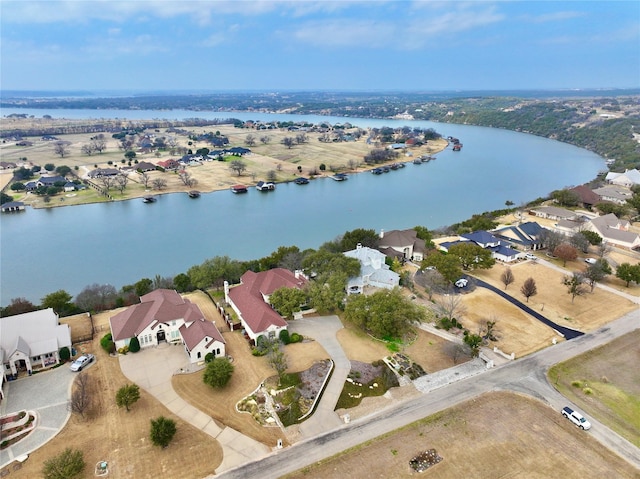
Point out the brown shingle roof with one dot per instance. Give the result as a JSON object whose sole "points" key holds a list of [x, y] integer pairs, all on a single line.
{"points": [[162, 305], [193, 333]]}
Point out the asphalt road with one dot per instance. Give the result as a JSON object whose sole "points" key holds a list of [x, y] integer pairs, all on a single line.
{"points": [[527, 375]]}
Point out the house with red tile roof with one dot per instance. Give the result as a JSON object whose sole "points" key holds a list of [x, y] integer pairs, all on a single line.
{"points": [[250, 300], [165, 316]]}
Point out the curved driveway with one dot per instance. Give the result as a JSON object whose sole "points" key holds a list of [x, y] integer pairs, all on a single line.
{"points": [[568, 333], [152, 369]]}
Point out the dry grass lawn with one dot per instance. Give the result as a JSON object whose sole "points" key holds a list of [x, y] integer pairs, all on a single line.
{"points": [[586, 313], [529, 440], [210, 176], [111, 434]]}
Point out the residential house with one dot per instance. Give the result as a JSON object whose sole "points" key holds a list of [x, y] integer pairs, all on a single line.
{"points": [[102, 172], [586, 197], [553, 213], [614, 194], [165, 316], [482, 238], [144, 166], [628, 178], [373, 270], [524, 236], [238, 150], [50, 180], [614, 231], [69, 186], [7, 165], [170, 165], [403, 244], [499, 250], [31, 341], [250, 300]]}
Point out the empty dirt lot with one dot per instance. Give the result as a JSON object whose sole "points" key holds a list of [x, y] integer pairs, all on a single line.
{"points": [[497, 435]]}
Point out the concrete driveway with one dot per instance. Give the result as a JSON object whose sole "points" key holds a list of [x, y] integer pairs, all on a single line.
{"points": [[152, 369], [47, 393], [323, 329]]}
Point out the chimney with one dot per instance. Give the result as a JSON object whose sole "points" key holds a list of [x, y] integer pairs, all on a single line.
{"points": [[381, 234], [226, 291], [359, 245]]}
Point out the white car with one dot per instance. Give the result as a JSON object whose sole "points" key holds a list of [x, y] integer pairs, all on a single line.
{"points": [[576, 418], [590, 260], [462, 282], [81, 362], [531, 256]]}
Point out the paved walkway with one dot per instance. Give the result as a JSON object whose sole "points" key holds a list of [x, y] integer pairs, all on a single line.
{"points": [[152, 369], [47, 394], [323, 329]]}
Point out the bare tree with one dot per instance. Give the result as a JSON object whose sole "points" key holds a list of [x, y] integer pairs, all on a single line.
{"points": [[61, 148], [604, 249], [121, 182], [145, 178], [277, 359], [99, 143], [574, 285], [186, 178], [301, 138], [238, 166], [529, 288], [288, 142], [80, 400], [159, 184], [107, 182], [250, 140], [488, 330], [450, 306], [565, 252], [456, 351], [352, 164], [87, 150], [265, 139], [272, 175], [507, 277]]}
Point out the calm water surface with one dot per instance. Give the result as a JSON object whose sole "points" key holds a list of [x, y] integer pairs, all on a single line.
{"points": [[118, 243]]}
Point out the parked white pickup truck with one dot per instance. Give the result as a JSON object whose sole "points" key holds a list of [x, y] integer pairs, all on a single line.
{"points": [[576, 418]]}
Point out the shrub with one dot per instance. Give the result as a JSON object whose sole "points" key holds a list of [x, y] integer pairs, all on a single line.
{"points": [[134, 345], [587, 391], [576, 384], [295, 338], [66, 465], [65, 354], [218, 373], [284, 336], [104, 341], [162, 431], [208, 357]]}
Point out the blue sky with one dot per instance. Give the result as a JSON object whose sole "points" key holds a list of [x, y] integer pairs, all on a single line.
{"points": [[319, 45]]}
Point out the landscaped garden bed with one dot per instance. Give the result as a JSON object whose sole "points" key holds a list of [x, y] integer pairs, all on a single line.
{"points": [[366, 380], [16, 427]]}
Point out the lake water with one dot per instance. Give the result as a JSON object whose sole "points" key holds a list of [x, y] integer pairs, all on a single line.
{"points": [[118, 243]]}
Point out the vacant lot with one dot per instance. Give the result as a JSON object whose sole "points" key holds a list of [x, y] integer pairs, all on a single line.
{"points": [[606, 383], [585, 313], [529, 440]]}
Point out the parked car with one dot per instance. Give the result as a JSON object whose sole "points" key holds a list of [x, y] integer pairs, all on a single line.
{"points": [[81, 362], [531, 256], [576, 418], [462, 282], [590, 260]]}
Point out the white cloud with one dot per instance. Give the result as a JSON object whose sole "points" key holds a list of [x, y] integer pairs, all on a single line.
{"points": [[553, 17]]}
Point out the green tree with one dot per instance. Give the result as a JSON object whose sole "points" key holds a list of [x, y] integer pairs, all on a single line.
{"points": [[5, 198], [474, 341], [277, 359], [447, 265], [18, 186], [214, 271], [628, 273], [143, 286], [593, 237], [275, 259], [63, 170], [182, 283], [64, 353], [130, 155], [472, 256], [134, 345], [287, 301], [218, 373], [162, 431], [324, 261], [425, 235], [364, 237], [60, 301], [69, 464], [328, 290], [384, 314], [565, 197], [127, 395], [574, 284], [49, 167]]}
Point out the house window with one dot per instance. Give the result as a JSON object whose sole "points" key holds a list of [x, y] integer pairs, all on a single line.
{"points": [[218, 352], [199, 354], [272, 334]]}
